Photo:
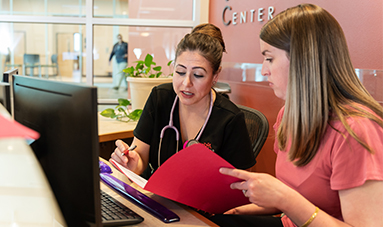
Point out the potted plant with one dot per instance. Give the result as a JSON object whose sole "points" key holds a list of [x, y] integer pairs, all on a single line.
{"points": [[144, 69], [142, 78], [121, 112]]}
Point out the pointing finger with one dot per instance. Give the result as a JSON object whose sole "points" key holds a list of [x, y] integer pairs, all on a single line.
{"points": [[241, 174]]}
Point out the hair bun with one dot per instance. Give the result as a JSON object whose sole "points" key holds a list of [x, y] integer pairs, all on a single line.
{"points": [[210, 30]]}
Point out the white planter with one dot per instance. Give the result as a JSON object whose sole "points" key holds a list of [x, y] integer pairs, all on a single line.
{"points": [[140, 89]]}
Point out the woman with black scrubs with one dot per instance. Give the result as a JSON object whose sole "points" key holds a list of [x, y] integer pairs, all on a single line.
{"points": [[189, 111]]}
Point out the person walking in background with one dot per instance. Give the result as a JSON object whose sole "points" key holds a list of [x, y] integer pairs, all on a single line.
{"points": [[329, 134], [120, 50]]}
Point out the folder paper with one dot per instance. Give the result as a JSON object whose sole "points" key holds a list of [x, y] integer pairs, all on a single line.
{"points": [[192, 177], [11, 128]]}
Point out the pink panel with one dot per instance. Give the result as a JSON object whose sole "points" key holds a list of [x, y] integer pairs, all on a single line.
{"points": [[361, 21]]}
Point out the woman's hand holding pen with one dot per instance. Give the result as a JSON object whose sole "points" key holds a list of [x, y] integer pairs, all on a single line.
{"points": [[131, 148], [125, 155]]}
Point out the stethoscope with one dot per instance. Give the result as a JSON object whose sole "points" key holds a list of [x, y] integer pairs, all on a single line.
{"points": [[171, 126]]}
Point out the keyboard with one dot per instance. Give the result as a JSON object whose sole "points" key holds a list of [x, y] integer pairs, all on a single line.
{"points": [[153, 207], [115, 213]]}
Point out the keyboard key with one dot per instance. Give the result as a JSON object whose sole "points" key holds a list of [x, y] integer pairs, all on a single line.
{"points": [[113, 212]]}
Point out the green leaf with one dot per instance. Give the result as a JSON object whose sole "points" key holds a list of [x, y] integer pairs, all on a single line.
{"points": [[123, 102], [129, 71], [121, 110], [139, 61], [148, 60], [157, 68], [146, 70], [108, 113], [135, 115], [140, 65]]}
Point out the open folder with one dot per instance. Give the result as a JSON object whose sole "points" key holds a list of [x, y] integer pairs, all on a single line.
{"points": [[192, 177]]}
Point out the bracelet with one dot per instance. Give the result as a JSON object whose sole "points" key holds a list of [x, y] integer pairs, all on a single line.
{"points": [[308, 222]]}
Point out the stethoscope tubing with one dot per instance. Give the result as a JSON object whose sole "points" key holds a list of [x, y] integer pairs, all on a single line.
{"points": [[171, 126]]}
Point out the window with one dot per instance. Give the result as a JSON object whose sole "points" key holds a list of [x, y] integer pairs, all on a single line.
{"points": [[68, 32]]}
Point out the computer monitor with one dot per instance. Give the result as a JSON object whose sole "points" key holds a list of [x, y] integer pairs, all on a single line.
{"points": [[5, 98], [65, 115], [5, 90], [8, 74]]}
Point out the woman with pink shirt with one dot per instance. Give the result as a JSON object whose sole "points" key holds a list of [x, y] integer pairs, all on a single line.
{"points": [[329, 134]]}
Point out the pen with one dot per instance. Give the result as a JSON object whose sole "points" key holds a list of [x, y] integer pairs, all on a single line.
{"points": [[130, 149]]}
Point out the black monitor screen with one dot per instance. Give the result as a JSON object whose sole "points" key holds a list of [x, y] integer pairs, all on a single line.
{"points": [[65, 115], [5, 96]]}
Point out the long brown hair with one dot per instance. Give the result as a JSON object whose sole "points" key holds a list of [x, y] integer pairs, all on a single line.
{"points": [[322, 80]]}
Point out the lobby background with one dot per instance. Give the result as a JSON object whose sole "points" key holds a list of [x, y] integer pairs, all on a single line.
{"points": [[48, 27], [362, 22]]}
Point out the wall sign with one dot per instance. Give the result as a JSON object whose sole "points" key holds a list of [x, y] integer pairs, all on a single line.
{"points": [[229, 17]]}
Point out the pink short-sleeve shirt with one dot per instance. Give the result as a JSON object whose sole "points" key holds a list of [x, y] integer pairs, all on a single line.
{"points": [[341, 163]]}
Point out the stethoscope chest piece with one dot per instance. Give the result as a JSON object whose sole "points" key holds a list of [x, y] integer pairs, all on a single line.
{"points": [[189, 143]]}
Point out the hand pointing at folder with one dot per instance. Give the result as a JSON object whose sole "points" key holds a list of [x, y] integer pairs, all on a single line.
{"points": [[261, 189]]}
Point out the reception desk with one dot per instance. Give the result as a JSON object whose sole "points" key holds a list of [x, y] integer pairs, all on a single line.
{"points": [[109, 130], [188, 217], [26, 198]]}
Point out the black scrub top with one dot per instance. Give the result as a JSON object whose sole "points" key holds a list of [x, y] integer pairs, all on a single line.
{"points": [[225, 133]]}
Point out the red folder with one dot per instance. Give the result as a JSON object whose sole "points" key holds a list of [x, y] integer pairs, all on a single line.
{"points": [[192, 177], [11, 128]]}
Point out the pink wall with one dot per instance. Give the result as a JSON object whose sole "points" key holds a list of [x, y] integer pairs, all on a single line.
{"points": [[362, 22]]}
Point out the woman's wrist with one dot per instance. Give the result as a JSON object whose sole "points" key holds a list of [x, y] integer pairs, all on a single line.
{"points": [[311, 219], [298, 208]]}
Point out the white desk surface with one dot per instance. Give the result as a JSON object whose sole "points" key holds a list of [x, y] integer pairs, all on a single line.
{"points": [[26, 198]]}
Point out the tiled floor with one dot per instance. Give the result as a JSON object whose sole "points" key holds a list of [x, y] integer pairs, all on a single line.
{"points": [[105, 92]]}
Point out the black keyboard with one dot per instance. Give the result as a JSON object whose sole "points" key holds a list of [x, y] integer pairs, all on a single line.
{"points": [[115, 213]]}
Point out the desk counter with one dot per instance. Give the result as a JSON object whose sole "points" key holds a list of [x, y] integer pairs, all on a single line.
{"points": [[188, 217], [26, 198], [111, 129]]}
